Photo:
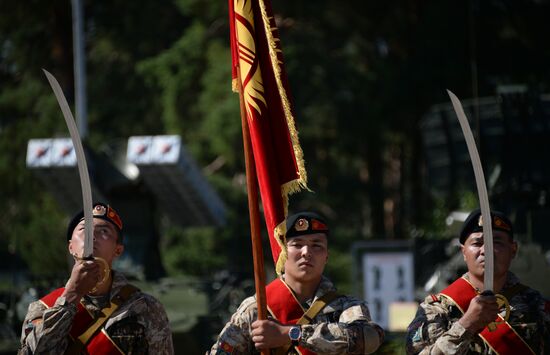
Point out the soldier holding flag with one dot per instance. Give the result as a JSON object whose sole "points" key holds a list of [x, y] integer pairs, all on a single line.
{"points": [[459, 319], [307, 314]]}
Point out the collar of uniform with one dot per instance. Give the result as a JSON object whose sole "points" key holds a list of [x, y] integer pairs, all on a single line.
{"points": [[511, 280], [119, 280], [324, 287], [94, 303]]}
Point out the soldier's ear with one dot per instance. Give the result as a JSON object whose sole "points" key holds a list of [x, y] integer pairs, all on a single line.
{"points": [[515, 248], [119, 250]]}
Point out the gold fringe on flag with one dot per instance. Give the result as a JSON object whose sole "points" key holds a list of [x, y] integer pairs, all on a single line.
{"points": [[294, 185]]}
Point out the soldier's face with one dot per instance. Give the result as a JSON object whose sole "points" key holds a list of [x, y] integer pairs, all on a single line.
{"points": [[105, 240], [307, 257], [504, 250]]}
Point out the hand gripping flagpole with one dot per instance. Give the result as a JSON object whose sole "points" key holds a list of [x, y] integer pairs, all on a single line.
{"points": [[87, 253], [488, 274]]}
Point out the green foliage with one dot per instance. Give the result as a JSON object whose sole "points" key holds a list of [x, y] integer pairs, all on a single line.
{"points": [[192, 79], [468, 200], [394, 344], [192, 250], [176, 72], [30, 221], [220, 131], [361, 76], [339, 261], [42, 242], [435, 223]]}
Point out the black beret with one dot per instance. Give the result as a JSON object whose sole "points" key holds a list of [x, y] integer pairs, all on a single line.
{"points": [[101, 211], [304, 223], [474, 223]]}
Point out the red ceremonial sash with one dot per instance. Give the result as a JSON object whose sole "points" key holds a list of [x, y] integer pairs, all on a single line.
{"points": [[284, 307], [100, 343], [503, 340]]}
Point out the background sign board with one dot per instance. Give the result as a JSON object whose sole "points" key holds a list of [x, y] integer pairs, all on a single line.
{"points": [[388, 277]]}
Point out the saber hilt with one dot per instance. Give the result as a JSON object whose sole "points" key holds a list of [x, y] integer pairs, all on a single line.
{"points": [[106, 269], [502, 302]]}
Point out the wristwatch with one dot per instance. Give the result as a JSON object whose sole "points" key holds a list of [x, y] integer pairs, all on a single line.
{"points": [[295, 334]]}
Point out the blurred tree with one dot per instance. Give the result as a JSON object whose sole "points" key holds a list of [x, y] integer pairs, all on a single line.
{"points": [[29, 221], [362, 74]]}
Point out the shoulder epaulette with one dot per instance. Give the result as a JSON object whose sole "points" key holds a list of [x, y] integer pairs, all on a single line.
{"points": [[434, 298]]}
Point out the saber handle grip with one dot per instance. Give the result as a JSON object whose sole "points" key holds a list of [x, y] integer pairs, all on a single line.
{"points": [[106, 272], [106, 269]]}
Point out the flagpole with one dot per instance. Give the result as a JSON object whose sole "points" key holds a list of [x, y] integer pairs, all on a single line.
{"points": [[253, 210]]}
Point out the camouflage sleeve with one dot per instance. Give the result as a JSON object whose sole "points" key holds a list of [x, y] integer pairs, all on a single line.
{"points": [[45, 330], [235, 336], [352, 333], [158, 333], [432, 332]]}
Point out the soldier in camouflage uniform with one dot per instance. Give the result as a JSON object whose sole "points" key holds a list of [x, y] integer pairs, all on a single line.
{"points": [[454, 323], [336, 324], [138, 324]]}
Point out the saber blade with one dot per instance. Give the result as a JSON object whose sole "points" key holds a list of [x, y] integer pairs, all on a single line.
{"points": [[488, 275], [82, 166]]}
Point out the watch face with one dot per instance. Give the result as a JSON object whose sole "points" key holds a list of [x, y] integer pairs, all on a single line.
{"points": [[294, 333]]}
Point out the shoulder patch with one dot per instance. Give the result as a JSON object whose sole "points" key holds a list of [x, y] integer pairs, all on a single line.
{"points": [[224, 349], [435, 298], [415, 331], [417, 335]]}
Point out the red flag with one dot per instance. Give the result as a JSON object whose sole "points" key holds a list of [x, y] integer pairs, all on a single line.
{"points": [[256, 51]]}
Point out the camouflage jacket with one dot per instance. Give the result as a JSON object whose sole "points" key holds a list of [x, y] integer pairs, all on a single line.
{"points": [[435, 328], [344, 326], [138, 326]]}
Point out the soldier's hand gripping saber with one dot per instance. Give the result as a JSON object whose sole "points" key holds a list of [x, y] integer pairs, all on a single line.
{"points": [[488, 275], [88, 250]]}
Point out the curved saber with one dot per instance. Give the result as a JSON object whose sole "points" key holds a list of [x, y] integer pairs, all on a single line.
{"points": [[488, 276], [82, 166]]}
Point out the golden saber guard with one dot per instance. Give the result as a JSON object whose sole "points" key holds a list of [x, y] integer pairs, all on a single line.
{"points": [[87, 253], [488, 274]]}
